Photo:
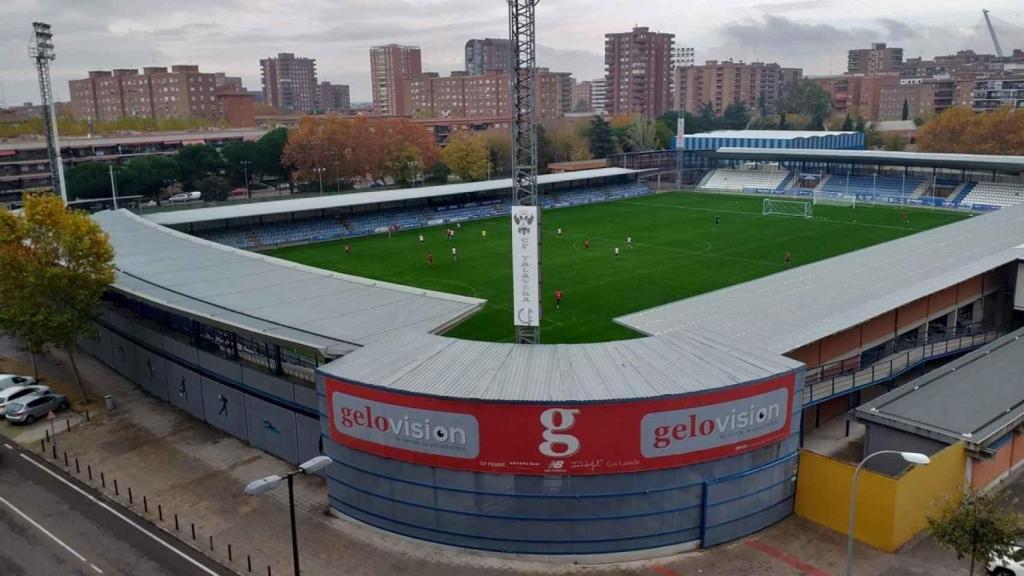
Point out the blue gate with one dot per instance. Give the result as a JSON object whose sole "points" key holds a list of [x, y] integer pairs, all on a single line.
{"points": [[741, 504]]}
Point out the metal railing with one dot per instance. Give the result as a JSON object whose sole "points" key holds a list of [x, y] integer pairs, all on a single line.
{"points": [[843, 377]]}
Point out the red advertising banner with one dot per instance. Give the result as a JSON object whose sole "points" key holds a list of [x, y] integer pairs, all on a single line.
{"points": [[561, 438]]}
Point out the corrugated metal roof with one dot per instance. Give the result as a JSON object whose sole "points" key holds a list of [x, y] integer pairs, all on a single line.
{"points": [[192, 215], [650, 367], [919, 159], [795, 307], [767, 134], [257, 294], [154, 137], [976, 398]]}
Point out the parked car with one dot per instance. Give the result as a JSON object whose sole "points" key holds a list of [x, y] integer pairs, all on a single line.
{"points": [[8, 380], [1012, 566], [31, 408], [195, 195], [8, 395]]}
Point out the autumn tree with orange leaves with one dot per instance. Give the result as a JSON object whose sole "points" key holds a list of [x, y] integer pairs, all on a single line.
{"points": [[960, 130], [360, 149]]}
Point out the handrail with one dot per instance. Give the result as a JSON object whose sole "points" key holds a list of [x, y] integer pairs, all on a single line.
{"points": [[818, 391]]}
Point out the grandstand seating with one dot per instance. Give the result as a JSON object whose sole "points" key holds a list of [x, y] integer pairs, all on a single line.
{"points": [[872, 188], [997, 194], [730, 179], [363, 224]]}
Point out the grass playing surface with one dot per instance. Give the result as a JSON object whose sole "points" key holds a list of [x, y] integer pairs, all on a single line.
{"points": [[678, 252]]}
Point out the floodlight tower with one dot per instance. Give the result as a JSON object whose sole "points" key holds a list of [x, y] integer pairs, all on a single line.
{"points": [[40, 49], [992, 32], [525, 206]]}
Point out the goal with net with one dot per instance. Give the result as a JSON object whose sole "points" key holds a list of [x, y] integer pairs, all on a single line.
{"points": [[844, 200], [786, 208]]}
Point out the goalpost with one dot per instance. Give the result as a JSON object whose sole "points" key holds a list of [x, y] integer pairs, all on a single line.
{"points": [[786, 208], [843, 200]]}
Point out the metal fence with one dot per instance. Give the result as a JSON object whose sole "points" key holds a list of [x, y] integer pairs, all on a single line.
{"points": [[843, 377]]}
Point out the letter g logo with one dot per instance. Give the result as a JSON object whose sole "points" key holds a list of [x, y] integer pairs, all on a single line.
{"points": [[557, 445]]}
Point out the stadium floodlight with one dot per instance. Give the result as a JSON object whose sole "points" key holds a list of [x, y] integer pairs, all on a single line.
{"points": [[773, 207]]}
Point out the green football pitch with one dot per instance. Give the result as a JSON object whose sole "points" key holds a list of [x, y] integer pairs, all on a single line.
{"points": [[678, 251]]}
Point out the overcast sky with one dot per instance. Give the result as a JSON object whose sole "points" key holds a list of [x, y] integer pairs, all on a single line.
{"points": [[232, 35]]}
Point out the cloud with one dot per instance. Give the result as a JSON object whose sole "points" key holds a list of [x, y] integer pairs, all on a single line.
{"points": [[795, 6]]}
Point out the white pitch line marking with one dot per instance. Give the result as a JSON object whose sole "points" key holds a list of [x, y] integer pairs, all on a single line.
{"points": [[48, 533], [8, 446], [96, 568], [96, 501]]}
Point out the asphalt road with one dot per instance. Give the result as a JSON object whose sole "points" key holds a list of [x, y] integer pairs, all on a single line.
{"points": [[50, 524]]}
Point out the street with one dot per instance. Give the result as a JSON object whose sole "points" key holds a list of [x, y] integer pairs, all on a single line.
{"points": [[50, 524]]}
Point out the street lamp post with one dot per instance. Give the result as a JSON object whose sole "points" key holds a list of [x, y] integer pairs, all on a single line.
{"points": [[245, 170], [911, 457], [268, 483], [320, 173]]}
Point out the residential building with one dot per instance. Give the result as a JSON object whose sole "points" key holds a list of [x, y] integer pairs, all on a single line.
{"points": [[333, 98], [156, 93], [922, 96], [757, 85], [992, 93], [583, 96], [289, 83], [858, 94], [392, 67], [638, 70], [875, 60], [462, 95], [488, 54], [599, 95], [236, 107], [221, 79], [683, 56]]}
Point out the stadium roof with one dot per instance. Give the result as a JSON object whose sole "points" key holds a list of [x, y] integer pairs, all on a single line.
{"points": [[977, 398], [790, 309], [1013, 164], [672, 365], [767, 134], [288, 303], [149, 137], [188, 216]]}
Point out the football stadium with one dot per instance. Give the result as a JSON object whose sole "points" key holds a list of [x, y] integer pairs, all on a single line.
{"points": [[699, 336]]}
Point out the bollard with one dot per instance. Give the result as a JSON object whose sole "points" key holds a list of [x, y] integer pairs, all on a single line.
{"points": [[47, 432], [145, 504], [211, 543], [176, 527], [42, 446], [54, 451], [230, 559], [108, 401], [68, 422], [78, 469], [88, 468], [87, 416], [116, 493], [160, 511], [193, 531], [268, 570], [248, 560], [130, 501], [65, 458], [103, 480]]}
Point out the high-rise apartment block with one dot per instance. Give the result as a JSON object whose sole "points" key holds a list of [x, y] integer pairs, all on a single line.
{"points": [[289, 83], [875, 60], [638, 69], [583, 96], [599, 95], [392, 67], [463, 95], [333, 98], [488, 54], [156, 93], [683, 56], [757, 85]]}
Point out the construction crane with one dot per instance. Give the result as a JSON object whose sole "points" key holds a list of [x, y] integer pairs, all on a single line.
{"points": [[992, 32], [40, 49], [525, 206]]}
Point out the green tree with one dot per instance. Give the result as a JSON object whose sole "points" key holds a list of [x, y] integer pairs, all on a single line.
{"points": [[782, 121], [234, 154], [271, 156], [894, 143], [147, 176], [88, 180], [735, 116], [196, 161], [817, 123], [806, 97], [599, 135], [705, 121], [905, 115], [214, 187], [466, 155], [545, 150], [438, 173], [847, 124], [641, 135], [860, 125], [982, 527], [57, 263]]}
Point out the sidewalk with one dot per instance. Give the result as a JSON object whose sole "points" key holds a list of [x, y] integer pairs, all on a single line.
{"points": [[197, 472]]}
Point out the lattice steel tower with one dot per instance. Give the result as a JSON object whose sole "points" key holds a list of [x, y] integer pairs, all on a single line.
{"points": [[40, 49], [523, 36]]}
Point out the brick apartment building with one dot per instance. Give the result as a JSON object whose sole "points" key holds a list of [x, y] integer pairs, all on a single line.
{"points": [[392, 67], [638, 70], [289, 83], [463, 95], [720, 84], [923, 96], [488, 54], [333, 98], [875, 60], [583, 96], [156, 93]]}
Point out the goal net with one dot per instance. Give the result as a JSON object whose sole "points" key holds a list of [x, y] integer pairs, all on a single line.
{"points": [[786, 208], [844, 200]]}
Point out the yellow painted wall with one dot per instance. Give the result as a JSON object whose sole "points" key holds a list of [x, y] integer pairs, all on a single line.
{"points": [[889, 510]]}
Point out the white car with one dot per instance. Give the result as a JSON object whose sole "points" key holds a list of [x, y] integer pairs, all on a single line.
{"points": [[195, 195], [1013, 566], [8, 380], [8, 395], [179, 197]]}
